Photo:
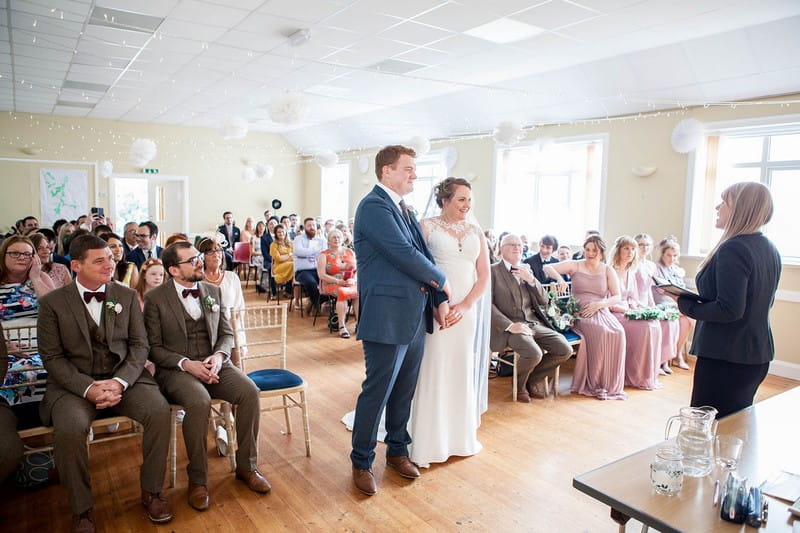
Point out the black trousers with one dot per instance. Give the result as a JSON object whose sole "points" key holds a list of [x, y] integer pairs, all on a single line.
{"points": [[727, 387]]}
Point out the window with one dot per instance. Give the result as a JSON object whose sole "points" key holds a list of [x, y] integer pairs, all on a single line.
{"points": [[335, 191], [552, 188], [430, 171], [131, 199], [767, 153]]}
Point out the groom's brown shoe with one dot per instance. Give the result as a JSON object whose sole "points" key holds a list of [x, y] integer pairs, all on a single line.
{"points": [[403, 465], [364, 481]]}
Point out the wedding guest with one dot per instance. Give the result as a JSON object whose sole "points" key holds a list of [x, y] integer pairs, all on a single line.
{"points": [[737, 283], [668, 268], [347, 237], [11, 447], [600, 365], [62, 237], [564, 253], [307, 247], [579, 254], [336, 268], [22, 282], [526, 250], [30, 224], [642, 337], [146, 237], [281, 252], [129, 234], [257, 258], [175, 237], [95, 363], [191, 342], [125, 272], [57, 225], [229, 230], [151, 276], [52, 244], [547, 244], [59, 274], [246, 234], [266, 245], [491, 243]]}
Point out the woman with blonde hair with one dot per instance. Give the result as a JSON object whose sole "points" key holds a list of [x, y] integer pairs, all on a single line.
{"points": [[668, 268], [736, 283], [59, 274], [336, 268]]}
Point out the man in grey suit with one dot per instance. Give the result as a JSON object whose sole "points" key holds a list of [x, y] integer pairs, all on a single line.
{"points": [[519, 323], [93, 344], [191, 341]]}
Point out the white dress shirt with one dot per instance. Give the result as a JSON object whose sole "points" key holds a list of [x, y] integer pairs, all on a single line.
{"points": [[191, 304]]}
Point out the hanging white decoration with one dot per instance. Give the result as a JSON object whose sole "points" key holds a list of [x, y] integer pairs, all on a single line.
{"points": [[264, 172], [289, 107], [326, 158], [508, 133], [421, 145], [233, 128], [363, 164], [248, 175], [142, 152], [471, 177], [106, 169], [687, 135], [449, 157]]}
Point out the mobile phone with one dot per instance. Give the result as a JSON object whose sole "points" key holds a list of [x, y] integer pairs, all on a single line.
{"points": [[97, 212]]}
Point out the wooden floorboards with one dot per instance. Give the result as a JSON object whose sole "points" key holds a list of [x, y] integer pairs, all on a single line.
{"points": [[521, 481]]}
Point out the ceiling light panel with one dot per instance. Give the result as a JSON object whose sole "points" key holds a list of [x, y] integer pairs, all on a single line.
{"points": [[155, 8], [85, 86], [555, 14], [504, 30], [456, 17], [124, 20]]}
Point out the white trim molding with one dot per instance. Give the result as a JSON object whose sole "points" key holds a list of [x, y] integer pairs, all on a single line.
{"points": [[785, 369], [784, 295]]}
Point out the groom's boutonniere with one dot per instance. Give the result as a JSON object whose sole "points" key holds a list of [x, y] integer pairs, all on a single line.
{"points": [[210, 303], [412, 211], [111, 305]]}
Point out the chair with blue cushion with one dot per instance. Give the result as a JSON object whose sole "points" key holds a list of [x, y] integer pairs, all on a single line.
{"points": [[265, 338]]}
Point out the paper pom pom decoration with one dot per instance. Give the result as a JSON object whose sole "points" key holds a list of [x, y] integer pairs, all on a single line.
{"points": [[508, 133], [420, 145], [142, 152], [687, 135], [363, 164], [248, 175], [326, 158], [449, 157], [264, 172], [288, 108], [106, 169], [233, 128]]}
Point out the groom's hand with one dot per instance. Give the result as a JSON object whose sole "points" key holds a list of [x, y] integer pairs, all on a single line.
{"points": [[440, 314]]}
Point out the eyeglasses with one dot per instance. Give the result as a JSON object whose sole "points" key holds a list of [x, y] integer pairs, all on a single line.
{"points": [[192, 260], [142, 236], [21, 255], [132, 230]]}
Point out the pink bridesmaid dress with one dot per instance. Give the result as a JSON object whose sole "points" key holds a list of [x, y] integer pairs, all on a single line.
{"points": [[670, 329]]}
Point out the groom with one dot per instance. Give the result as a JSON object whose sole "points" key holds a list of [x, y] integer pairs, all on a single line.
{"points": [[398, 285]]}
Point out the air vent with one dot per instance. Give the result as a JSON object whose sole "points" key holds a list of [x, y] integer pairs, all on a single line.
{"points": [[124, 20], [82, 105], [397, 66], [85, 86]]}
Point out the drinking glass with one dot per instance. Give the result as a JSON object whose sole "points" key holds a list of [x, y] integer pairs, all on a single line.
{"points": [[728, 451], [666, 470]]}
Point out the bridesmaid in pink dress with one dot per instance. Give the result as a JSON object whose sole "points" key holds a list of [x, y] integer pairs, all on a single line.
{"points": [[642, 337], [600, 365], [668, 268]]}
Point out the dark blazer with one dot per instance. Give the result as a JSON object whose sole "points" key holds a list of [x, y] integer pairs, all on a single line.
{"points": [[738, 287], [236, 235], [60, 259], [396, 274], [507, 304], [166, 327], [66, 348], [137, 256], [537, 265], [266, 240]]}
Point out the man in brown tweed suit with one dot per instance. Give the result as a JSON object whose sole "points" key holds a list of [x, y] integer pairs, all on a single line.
{"points": [[93, 344], [191, 341]]}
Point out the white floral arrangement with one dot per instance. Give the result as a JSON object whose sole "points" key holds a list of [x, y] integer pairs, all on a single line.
{"points": [[210, 303], [111, 305]]}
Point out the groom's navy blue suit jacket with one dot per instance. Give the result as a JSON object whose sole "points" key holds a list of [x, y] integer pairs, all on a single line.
{"points": [[397, 279]]}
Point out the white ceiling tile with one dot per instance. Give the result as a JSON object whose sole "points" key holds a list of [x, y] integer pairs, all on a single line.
{"points": [[34, 108], [555, 14], [610, 77], [71, 11], [190, 30], [107, 50], [76, 95], [414, 33], [306, 11], [743, 87], [369, 51], [311, 50], [266, 23], [105, 76], [156, 8], [721, 56], [665, 65], [602, 28], [261, 42], [456, 17], [361, 19], [405, 9], [425, 56], [504, 8], [205, 13], [241, 4], [115, 36], [776, 45], [169, 45]]}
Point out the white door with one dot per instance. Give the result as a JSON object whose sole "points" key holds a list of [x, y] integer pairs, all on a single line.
{"points": [[159, 199]]}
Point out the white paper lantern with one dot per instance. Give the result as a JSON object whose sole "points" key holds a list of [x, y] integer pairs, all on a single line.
{"points": [[508, 133], [142, 152], [106, 169], [288, 108], [326, 158], [264, 172], [248, 175], [449, 157], [420, 145], [687, 135], [233, 128]]}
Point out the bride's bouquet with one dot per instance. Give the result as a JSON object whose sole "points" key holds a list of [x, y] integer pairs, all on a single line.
{"points": [[562, 311]]}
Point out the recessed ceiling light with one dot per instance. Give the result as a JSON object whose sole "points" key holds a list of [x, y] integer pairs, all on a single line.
{"points": [[397, 66], [504, 30], [124, 20], [84, 105], [85, 86]]}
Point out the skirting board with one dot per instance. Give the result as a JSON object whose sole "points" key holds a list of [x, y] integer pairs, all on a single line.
{"points": [[784, 369]]}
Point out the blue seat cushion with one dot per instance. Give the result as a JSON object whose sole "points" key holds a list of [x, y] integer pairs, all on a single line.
{"points": [[571, 336], [274, 379]]}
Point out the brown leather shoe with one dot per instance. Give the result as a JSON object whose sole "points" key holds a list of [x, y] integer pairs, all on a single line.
{"points": [[523, 397], [364, 481], [537, 390], [84, 522], [157, 507], [254, 480], [198, 496], [403, 465]]}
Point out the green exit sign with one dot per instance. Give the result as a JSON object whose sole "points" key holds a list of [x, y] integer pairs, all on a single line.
{"points": [[150, 170]]}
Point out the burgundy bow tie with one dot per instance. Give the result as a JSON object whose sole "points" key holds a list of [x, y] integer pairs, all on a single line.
{"points": [[191, 292], [99, 296]]}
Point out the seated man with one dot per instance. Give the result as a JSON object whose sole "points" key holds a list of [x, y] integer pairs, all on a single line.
{"points": [[547, 245], [93, 344], [191, 342], [307, 247], [519, 323], [10, 443], [146, 236]]}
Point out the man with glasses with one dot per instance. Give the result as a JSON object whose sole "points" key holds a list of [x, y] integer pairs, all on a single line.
{"points": [[191, 342], [519, 323], [146, 237], [129, 242]]}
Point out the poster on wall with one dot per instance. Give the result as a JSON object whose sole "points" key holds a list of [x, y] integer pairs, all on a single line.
{"points": [[64, 194]]}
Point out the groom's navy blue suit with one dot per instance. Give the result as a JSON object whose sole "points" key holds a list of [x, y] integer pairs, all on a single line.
{"points": [[398, 285]]}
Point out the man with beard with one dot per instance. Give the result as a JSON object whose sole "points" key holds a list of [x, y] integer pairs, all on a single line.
{"points": [[307, 247]]}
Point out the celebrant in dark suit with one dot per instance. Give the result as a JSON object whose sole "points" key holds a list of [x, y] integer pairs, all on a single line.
{"points": [[737, 283], [398, 286]]}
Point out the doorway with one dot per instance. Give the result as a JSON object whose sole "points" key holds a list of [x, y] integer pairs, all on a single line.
{"points": [[160, 199]]}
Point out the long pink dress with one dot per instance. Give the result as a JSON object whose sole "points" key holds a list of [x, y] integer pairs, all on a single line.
{"points": [[670, 329], [600, 365], [642, 340]]}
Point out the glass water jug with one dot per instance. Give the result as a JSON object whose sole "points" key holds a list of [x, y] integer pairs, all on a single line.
{"points": [[698, 426]]}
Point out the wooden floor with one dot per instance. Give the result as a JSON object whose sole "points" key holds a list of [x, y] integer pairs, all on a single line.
{"points": [[521, 481]]}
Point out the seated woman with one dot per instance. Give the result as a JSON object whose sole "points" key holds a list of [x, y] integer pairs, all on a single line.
{"points": [[125, 272], [246, 234], [600, 365], [336, 268], [282, 258], [62, 238], [59, 274], [668, 268], [642, 337]]}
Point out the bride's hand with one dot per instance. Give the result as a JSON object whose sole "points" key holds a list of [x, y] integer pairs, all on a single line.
{"points": [[457, 313]]}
